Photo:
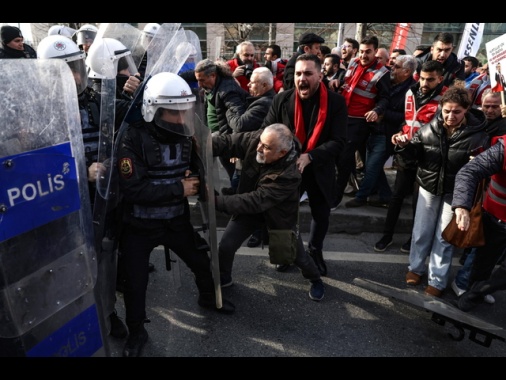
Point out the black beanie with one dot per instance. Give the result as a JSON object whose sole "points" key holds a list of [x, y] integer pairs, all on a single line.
{"points": [[9, 33]]}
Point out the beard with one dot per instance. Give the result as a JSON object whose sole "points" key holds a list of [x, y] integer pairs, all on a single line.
{"points": [[260, 158]]}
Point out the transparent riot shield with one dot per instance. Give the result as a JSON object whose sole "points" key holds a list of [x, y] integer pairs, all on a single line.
{"points": [[194, 39], [162, 38], [106, 197], [206, 200], [215, 48], [48, 265], [128, 35]]}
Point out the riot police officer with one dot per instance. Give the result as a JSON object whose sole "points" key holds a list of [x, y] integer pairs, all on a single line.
{"points": [[156, 156], [62, 47]]}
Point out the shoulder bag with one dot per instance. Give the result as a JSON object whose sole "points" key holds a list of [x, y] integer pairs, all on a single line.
{"points": [[283, 244], [474, 236]]}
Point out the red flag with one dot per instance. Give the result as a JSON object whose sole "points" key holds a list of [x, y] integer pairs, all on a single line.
{"points": [[400, 36]]}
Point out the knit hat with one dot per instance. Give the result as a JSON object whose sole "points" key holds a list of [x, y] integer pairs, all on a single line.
{"points": [[310, 38], [8, 33]]}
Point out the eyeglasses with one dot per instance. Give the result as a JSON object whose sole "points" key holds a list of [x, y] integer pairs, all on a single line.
{"points": [[249, 55], [397, 67], [347, 47]]}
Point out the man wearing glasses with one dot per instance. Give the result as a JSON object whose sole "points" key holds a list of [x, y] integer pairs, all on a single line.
{"points": [[244, 63]]}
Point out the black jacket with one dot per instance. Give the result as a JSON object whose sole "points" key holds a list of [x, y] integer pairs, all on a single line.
{"points": [[269, 190], [440, 157], [253, 117], [453, 67], [7, 52], [332, 138]]}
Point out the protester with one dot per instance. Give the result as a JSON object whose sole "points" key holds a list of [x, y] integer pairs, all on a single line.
{"points": [[441, 148], [318, 118], [267, 193]]}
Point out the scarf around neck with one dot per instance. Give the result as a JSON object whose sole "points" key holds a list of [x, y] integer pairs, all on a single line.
{"points": [[300, 130]]}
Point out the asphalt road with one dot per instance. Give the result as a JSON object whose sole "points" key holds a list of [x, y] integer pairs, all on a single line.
{"points": [[275, 318]]}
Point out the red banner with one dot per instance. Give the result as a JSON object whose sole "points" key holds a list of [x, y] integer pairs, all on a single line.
{"points": [[400, 36]]}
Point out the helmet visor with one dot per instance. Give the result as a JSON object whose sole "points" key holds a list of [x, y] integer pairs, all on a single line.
{"points": [[80, 73], [178, 119]]}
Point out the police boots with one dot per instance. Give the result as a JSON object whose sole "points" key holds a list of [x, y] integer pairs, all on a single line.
{"points": [[137, 338]]}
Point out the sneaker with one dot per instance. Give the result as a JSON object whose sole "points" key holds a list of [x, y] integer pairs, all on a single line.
{"points": [[457, 290], [317, 291], [118, 328], [432, 291], [226, 281], [406, 247], [385, 242], [489, 299], [355, 202]]}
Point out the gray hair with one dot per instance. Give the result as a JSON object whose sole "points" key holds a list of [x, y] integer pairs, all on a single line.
{"points": [[407, 62], [284, 134], [208, 67], [265, 75], [238, 49]]}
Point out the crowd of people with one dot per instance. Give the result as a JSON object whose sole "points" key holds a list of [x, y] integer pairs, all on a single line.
{"points": [[321, 124]]}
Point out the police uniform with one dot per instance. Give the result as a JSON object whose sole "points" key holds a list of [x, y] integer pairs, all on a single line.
{"points": [[152, 162]]}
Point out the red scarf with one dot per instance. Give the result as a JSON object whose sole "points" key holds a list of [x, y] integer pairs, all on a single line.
{"points": [[300, 130]]}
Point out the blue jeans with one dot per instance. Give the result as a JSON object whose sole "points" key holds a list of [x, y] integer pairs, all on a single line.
{"points": [[433, 213], [463, 274], [375, 177]]}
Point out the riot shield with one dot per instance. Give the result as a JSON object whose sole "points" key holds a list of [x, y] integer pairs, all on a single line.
{"points": [[206, 199], [162, 38], [128, 35], [48, 265], [106, 196], [215, 49], [192, 38]]}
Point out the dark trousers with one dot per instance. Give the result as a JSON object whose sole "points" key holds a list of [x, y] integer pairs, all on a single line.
{"points": [[405, 183], [320, 209], [358, 133], [488, 256], [136, 247], [239, 229]]}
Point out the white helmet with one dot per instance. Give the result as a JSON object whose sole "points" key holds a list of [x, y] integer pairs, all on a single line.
{"points": [[151, 29], [169, 91], [185, 49], [104, 55], [57, 46], [86, 33], [61, 30]]}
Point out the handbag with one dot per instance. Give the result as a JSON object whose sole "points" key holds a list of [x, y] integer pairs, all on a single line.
{"points": [[283, 245], [474, 236]]}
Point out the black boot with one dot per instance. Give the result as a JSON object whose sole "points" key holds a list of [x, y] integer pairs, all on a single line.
{"points": [[136, 340], [208, 301], [317, 256], [118, 328]]}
